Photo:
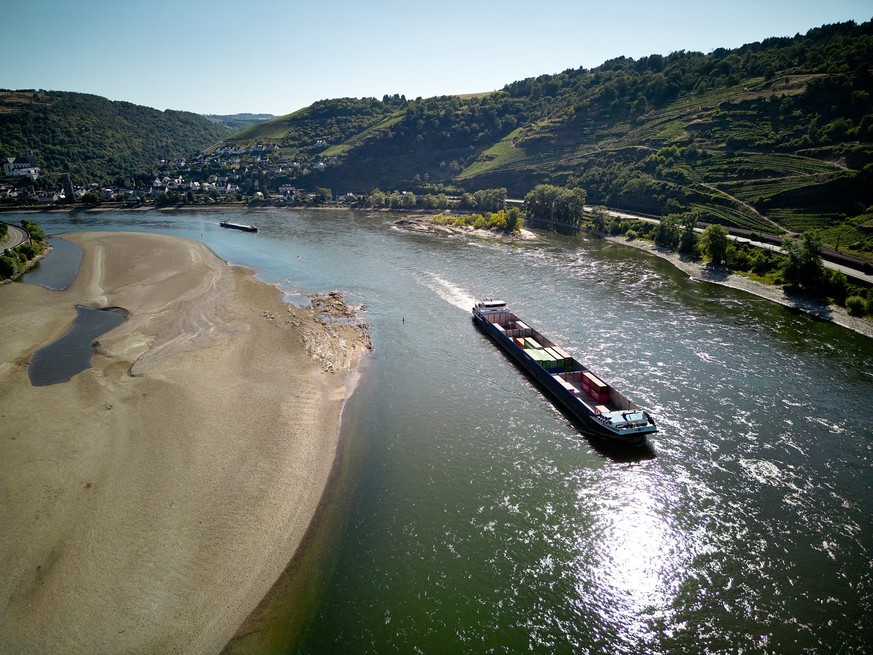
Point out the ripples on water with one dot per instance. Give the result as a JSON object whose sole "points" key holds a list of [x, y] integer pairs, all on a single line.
{"points": [[482, 521]]}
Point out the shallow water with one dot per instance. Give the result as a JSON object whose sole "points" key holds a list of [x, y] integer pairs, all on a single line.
{"points": [[58, 269], [71, 354], [480, 520]]}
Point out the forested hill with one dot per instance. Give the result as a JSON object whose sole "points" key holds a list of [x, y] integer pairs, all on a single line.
{"points": [[776, 133], [95, 139]]}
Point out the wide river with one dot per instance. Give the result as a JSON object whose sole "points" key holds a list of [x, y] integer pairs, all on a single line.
{"points": [[476, 519]]}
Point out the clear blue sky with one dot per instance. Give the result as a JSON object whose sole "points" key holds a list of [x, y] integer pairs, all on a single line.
{"points": [[274, 56]]}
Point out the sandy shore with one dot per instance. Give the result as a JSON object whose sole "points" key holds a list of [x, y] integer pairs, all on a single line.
{"points": [[148, 504], [719, 275]]}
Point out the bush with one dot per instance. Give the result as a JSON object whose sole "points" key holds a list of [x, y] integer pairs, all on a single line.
{"points": [[856, 305], [33, 229], [631, 235], [27, 250], [761, 262], [737, 258], [8, 266], [838, 285]]}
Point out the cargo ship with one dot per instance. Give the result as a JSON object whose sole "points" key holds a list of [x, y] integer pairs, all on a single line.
{"points": [[601, 409], [238, 226]]}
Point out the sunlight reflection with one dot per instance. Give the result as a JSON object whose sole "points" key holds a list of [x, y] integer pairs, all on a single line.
{"points": [[634, 562]]}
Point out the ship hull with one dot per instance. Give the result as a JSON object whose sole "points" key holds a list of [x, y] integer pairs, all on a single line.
{"points": [[238, 226]]}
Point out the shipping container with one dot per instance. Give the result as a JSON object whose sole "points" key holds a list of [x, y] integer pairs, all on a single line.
{"points": [[563, 354], [597, 385]]}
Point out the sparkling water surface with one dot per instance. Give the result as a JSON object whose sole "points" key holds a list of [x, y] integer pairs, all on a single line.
{"points": [[480, 520]]}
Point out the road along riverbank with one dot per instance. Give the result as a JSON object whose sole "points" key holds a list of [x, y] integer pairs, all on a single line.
{"points": [[149, 503]]}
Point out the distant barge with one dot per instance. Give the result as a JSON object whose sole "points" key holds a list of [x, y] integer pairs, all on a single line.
{"points": [[238, 226], [602, 410]]}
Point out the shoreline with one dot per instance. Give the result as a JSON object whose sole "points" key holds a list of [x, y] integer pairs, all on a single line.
{"points": [[723, 277], [152, 501]]}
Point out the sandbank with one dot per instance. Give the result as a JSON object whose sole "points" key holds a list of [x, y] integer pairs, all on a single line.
{"points": [[148, 504]]}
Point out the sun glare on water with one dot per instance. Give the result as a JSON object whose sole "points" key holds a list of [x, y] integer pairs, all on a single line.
{"points": [[633, 563]]}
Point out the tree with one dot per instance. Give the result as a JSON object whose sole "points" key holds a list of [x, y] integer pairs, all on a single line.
{"points": [[554, 203], [513, 220], [688, 237], [714, 243], [34, 230], [8, 266], [490, 200], [376, 198], [666, 233], [598, 218], [803, 267]]}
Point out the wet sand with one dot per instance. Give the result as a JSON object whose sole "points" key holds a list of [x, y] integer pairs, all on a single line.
{"points": [[148, 504]]}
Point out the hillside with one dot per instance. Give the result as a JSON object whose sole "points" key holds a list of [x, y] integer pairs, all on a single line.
{"points": [[325, 128], [771, 136], [95, 139], [238, 122]]}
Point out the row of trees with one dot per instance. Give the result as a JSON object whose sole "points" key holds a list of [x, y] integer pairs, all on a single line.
{"points": [[799, 267], [556, 204], [483, 200]]}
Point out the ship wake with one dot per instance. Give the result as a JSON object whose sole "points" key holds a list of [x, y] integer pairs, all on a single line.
{"points": [[451, 293]]}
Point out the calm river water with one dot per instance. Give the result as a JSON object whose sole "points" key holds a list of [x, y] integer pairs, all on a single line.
{"points": [[477, 519]]}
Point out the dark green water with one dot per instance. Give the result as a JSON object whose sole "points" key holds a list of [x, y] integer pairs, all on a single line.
{"points": [[480, 520]]}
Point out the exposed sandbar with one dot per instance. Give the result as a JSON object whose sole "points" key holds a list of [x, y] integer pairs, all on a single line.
{"points": [[149, 503]]}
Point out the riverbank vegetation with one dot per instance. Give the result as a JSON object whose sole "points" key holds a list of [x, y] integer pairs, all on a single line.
{"points": [[483, 200], [15, 261], [798, 268], [500, 221]]}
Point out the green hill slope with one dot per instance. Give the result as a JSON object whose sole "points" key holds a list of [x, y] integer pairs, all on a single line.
{"points": [[769, 136], [326, 128], [95, 139]]}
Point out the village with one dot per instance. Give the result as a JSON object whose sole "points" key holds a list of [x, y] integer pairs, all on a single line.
{"points": [[229, 174]]}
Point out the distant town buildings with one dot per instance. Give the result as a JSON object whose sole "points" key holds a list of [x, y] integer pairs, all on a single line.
{"points": [[259, 171]]}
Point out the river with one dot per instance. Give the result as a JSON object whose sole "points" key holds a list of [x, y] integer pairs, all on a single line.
{"points": [[476, 518]]}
